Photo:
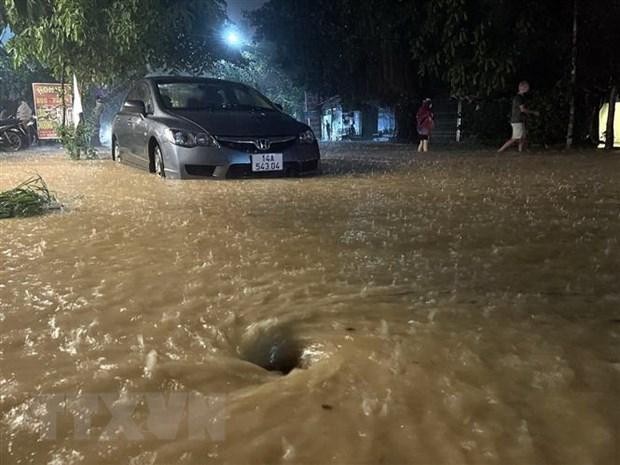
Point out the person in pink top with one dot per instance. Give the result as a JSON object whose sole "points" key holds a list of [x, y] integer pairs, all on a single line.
{"points": [[426, 121]]}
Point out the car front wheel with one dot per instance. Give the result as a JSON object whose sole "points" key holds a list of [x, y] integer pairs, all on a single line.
{"points": [[116, 151], [158, 161]]}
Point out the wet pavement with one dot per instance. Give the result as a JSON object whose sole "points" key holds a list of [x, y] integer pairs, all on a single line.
{"points": [[445, 308]]}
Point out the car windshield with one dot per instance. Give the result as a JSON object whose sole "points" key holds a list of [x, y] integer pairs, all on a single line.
{"points": [[211, 96]]}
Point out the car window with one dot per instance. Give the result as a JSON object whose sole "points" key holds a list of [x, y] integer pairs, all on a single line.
{"points": [[146, 97], [248, 97], [134, 93], [210, 96], [142, 93]]}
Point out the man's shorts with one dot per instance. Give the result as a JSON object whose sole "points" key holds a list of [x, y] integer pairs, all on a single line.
{"points": [[518, 130]]}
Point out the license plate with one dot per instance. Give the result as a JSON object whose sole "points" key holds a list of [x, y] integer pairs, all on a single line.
{"points": [[267, 162]]}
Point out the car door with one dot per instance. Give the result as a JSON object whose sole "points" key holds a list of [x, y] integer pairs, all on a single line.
{"points": [[125, 129], [139, 126], [121, 132]]}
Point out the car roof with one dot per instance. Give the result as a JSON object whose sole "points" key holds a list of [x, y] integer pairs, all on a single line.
{"points": [[172, 79]]}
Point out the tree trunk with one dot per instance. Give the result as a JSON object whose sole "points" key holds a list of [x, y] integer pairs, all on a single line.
{"points": [[609, 132], [63, 97], [591, 124], [405, 118], [95, 141], [459, 120], [573, 82]]}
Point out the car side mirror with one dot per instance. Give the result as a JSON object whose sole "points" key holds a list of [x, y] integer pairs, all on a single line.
{"points": [[135, 107], [279, 106]]}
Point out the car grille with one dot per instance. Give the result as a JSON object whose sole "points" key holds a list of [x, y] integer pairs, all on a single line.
{"points": [[200, 170], [249, 145], [291, 168]]}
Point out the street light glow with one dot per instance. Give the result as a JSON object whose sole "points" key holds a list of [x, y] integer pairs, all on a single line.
{"points": [[233, 38]]}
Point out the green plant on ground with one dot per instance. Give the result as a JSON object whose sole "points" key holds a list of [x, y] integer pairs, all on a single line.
{"points": [[30, 198], [77, 140]]}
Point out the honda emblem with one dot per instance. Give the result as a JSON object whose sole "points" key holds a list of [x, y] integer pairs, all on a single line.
{"points": [[263, 144]]}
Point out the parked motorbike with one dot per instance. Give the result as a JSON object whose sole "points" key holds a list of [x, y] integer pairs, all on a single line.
{"points": [[11, 135], [29, 132]]}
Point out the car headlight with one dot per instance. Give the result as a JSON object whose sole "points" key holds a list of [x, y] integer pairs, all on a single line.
{"points": [[307, 137], [182, 138], [206, 140], [189, 139]]}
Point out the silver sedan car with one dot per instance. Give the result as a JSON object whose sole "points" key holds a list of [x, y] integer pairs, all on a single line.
{"points": [[180, 127]]}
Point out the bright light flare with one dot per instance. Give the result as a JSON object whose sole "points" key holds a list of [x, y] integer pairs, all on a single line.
{"points": [[232, 38]]}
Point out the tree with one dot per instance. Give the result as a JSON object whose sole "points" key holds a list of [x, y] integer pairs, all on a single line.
{"points": [[257, 70], [111, 42], [573, 78], [484, 46], [355, 48], [611, 115], [104, 41], [15, 82], [392, 50]]}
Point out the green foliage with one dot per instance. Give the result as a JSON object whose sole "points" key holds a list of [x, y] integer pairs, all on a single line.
{"points": [[355, 48], [77, 141], [393, 50], [256, 70], [382, 49], [487, 120], [30, 198], [481, 47], [16, 82], [550, 127], [105, 41], [599, 38]]}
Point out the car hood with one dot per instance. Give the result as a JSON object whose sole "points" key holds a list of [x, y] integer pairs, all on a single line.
{"points": [[243, 123]]}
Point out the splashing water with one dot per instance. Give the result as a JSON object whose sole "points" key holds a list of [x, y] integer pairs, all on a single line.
{"points": [[444, 308]]}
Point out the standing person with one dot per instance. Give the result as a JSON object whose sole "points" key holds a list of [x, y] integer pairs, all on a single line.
{"points": [[518, 118], [25, 115], [425, 122], [352, 130], [24, 112], [328, 130]]}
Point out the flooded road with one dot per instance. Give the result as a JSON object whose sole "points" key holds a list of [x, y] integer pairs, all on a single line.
{"points": [[437, 309]]}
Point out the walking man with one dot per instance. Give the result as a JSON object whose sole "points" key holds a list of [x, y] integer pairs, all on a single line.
{"points": [[518, 118]]}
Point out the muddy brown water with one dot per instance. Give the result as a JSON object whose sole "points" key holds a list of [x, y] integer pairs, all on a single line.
{"points": [[437, 309]]}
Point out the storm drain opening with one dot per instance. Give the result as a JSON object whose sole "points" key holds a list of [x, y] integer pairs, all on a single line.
{"points": [[276, 350]]}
